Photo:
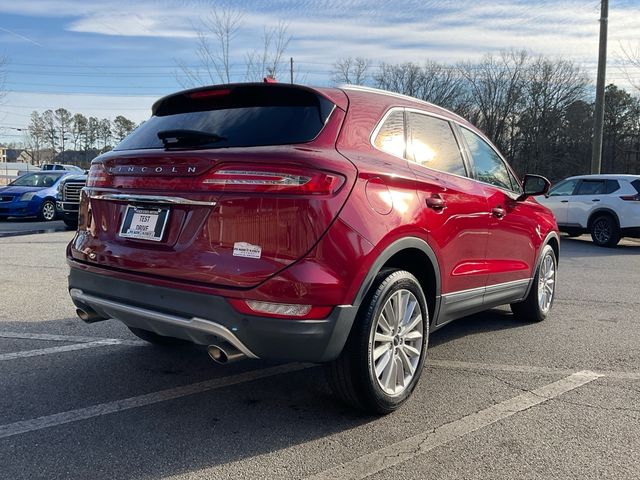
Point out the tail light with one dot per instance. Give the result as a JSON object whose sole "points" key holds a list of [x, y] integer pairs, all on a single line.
{"points": [[631, 198], [247, 179], [280, 310], [98, 176]]}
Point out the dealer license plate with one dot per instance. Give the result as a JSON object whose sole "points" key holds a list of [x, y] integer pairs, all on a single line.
{"points": [[144, 223]]}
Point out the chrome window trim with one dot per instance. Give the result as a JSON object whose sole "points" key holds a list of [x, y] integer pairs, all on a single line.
{"points": [[511, 193]]}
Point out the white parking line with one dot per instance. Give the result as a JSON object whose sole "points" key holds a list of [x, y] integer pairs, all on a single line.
{"points": [[499, 367], [64, 338], [64, 348], [404, 450], [142, 400]]}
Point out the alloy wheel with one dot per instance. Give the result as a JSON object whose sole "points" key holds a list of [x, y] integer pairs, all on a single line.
{"points": [[48, 211], [546, 282], [602, 230], [397, 342]]}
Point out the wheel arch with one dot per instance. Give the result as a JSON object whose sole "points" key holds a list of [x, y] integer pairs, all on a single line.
{"points": [[602, 211], [418, 258], [553, 240]]}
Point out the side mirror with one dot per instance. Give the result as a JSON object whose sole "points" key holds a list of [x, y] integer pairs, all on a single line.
{"points": [[534, 185]]}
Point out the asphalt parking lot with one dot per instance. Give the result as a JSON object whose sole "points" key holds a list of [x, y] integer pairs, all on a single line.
{"points": [[499, 399]]}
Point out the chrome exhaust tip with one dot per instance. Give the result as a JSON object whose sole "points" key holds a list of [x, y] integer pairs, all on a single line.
{"points": [[89, 316], [224, 354]]}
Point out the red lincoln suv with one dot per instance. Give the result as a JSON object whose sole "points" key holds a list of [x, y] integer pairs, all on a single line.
{"points": [[331, 225]]}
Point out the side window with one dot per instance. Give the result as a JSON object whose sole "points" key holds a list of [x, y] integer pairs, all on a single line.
{"points": [[489, 166], [612, 186], [591, 187], [431, 143], [636, 185], [563, 188], [390, 136]]}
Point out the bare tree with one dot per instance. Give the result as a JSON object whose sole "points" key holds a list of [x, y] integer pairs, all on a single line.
{"points": [[51, 130], [215, 56], [496, 90], [104, 133], [36, 137], [91, 134], [215, 35], [78, 129], [268, 61], [354, 71], [551, 86], [122, 127], [433, 82], [62, 118], [631, 66]]}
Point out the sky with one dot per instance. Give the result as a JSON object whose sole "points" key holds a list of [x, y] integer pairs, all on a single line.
{"points": [[112, 57]]}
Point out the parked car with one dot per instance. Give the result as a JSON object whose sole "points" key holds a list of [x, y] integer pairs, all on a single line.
{"points": [[606, 206], [31, 195], [68, 198], [58, 166], [326, 225]]}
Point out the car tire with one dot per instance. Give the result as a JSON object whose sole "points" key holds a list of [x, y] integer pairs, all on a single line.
{"points": [[156, 339], [71, 224], [382, 360], [537, 305], [47, 211], [605, 231]]}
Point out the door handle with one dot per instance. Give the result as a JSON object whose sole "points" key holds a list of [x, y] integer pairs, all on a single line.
{"points": [[436, 202], [564, 201], [498, 212], [595, 199]]}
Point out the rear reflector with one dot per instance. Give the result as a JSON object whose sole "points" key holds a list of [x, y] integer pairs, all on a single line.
{"points": [[280, 310], [283, 180]]}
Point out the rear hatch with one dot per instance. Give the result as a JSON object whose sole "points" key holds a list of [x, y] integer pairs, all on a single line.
{"points": [[223, 186]]}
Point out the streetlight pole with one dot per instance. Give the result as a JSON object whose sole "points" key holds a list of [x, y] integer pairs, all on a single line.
{"points": [[598, 120]]}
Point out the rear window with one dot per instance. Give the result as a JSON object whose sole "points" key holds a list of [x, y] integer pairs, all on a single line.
{"points": [[636, 185], [238, 116]]}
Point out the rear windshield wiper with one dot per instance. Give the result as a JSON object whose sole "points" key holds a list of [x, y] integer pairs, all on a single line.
{"points": [[188, 138]]}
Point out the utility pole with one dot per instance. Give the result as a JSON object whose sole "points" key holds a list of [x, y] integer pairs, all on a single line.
{"points": [[598, 120], [291, 68]]}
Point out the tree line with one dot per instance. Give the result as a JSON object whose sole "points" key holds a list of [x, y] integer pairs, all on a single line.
{"points": [[537, 110], [57, 131]]}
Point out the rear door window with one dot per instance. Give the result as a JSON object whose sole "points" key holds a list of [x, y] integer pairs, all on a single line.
{"points": [[242, 116], [390, 137], [612, 186], [592, 187], [431, 143]]}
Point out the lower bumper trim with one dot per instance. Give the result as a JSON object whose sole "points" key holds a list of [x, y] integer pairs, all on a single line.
{"points": [[150, 320]]}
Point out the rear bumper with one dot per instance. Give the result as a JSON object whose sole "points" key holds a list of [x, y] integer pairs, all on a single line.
{"points": [[208, 319]]}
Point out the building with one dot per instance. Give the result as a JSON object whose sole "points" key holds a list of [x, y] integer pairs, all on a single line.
{"points": [[9, 155]]}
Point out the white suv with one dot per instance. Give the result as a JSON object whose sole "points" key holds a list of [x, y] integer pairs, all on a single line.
{"points": [[607, 206]]}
